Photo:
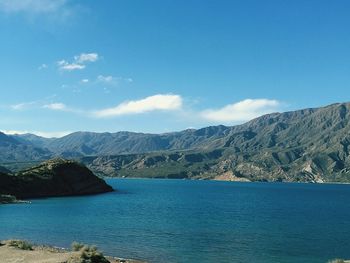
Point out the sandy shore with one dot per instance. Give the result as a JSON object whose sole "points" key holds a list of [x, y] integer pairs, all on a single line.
{"points": [[42, 254]]}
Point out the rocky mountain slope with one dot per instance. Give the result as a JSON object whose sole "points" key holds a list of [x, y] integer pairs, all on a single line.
{"points": [[15, 150], [56, 177], [309, 145], [90, 143]]}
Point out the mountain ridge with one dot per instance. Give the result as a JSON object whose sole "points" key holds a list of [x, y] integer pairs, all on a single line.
{"points": [[75, 144], [310, 144]]}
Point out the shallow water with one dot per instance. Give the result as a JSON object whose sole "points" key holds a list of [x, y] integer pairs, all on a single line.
{"points": [[194, 221]]}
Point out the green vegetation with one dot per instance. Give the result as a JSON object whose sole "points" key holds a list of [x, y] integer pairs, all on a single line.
{"points": [[77, 246], [56, 177], [174, 165], [87, 254], [20, 244]]}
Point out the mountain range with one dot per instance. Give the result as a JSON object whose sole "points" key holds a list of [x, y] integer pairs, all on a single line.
{"points": [[309, 145]]}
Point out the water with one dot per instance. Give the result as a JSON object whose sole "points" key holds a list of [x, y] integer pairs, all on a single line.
{"points": [[194, 221]]}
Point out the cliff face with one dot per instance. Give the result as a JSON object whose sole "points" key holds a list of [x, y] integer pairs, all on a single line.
{"points": [[53, 178]]}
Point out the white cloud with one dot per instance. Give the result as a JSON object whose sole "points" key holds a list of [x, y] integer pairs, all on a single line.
{"points": [[64, 65], [52, 134], [31, 6], [230, 114], [86, 57], [56, 106], [43, 104], [78, 63], [241, 111], [84, 81], [159, 102], [30, 104]]}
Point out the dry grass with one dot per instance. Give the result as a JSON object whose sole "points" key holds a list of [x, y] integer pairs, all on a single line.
{"points": [[87, 254], [20, 244]]}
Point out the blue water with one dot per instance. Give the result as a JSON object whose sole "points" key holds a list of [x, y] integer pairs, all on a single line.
{"points": [[194, 221]]}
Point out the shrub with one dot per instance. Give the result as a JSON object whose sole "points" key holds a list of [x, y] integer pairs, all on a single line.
{"points": [[88, 254], [21, 244], [77, 246]]}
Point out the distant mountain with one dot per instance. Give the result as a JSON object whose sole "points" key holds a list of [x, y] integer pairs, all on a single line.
{"points": [[33, 139], [306, 145], [310, 145], [90, 143], [12, 149]]}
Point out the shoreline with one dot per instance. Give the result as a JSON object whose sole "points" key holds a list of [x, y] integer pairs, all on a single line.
{"points": [[219, 180], [21, 251]]}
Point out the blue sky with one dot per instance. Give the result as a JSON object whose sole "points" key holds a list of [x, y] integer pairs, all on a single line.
{"points": [[165, 65]]}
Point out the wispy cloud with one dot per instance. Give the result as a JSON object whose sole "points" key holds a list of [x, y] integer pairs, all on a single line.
{"points": [[78, 63], [241, 111], [159, 102], [56, 106], [59, 106], [106, 79], [46, 134], [31, 104], [23, 105], [86, 57], [106, 82], [234, 113], [43, 66], [72, 66], [65, 65], [32, 6]]}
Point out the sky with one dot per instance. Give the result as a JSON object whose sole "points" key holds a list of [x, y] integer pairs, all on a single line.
{"points": [[167, 65]]}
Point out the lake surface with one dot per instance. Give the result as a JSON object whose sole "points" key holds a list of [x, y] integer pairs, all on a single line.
{"points": [[194, 221]]}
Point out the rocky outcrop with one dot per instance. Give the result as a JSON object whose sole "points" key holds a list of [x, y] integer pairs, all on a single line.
{"points": [[56, 177]]}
